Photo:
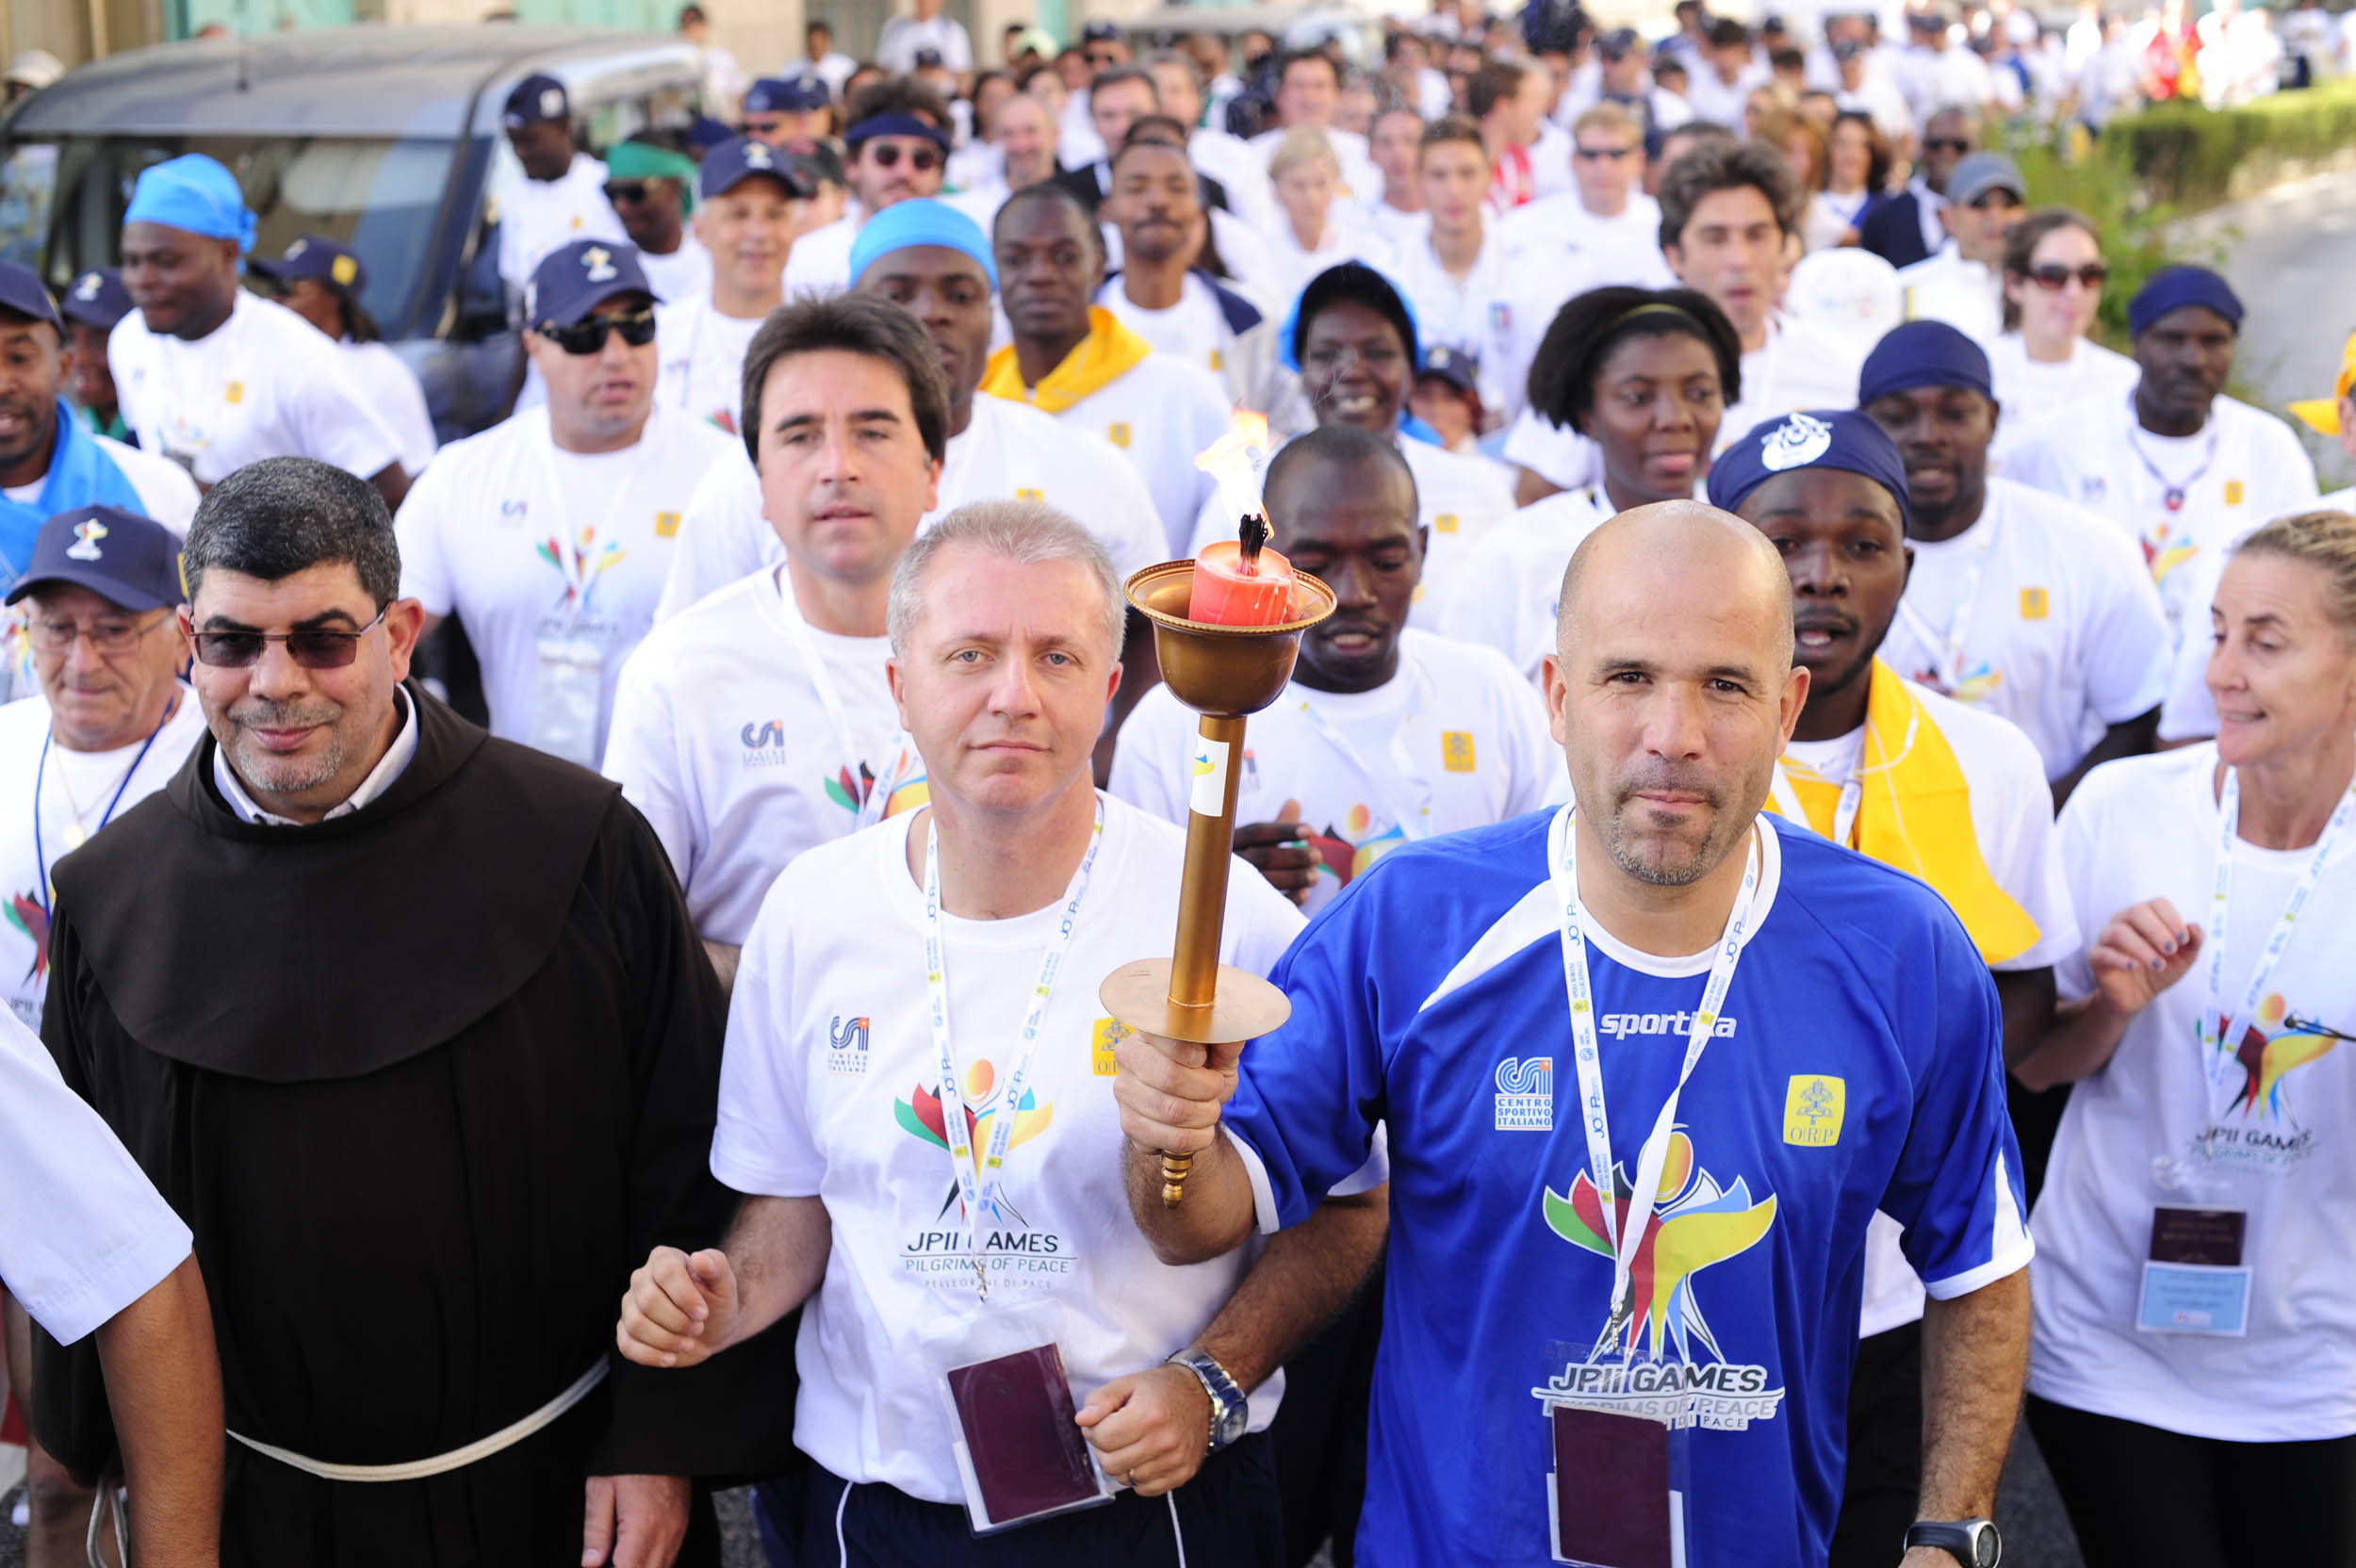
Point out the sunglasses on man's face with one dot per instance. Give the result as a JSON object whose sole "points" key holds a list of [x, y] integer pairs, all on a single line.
{"points": [[588, 337], [313, 648], [923, 159], [1597, 154], [1945, 144], [2054, 277]]}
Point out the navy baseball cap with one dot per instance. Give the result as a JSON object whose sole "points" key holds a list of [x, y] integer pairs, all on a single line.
{"points": [[319, 259], [98, 297], [740, 158], [22, 291], [537, 97], [577, 278], [123, 558], [1455, 366], [1100, 32], [786, 95], [1619, 43], [926, 59], [705, 133]]}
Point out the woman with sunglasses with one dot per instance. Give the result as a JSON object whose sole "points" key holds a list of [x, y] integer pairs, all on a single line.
{"points": [[2044, 361]]}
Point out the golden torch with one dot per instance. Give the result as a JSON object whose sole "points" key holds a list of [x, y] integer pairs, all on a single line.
{"points": [[1227, 626]]}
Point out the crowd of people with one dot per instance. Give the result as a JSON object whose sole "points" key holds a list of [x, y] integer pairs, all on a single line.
{"points": [[1764, 615]]}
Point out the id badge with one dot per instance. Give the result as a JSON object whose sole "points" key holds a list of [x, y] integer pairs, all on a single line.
{"points": [[2194, 1281], [1020, 1450], [568, 690], [1616, 1495]]}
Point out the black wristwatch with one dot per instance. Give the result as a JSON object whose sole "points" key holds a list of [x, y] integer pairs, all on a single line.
{"points": [[1973, 1543], [1230, 1412]]}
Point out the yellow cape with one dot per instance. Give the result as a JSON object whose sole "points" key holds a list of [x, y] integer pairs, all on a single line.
{"points": [[1916, 815], [1110, 352]]}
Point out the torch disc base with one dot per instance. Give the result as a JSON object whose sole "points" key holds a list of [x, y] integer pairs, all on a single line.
{"points": [[1244, 1007]]}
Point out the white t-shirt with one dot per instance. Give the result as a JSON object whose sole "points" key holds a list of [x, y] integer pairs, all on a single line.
{"points": [[820, 262], [2030, 392], [80, 792], [1459, 499], [1476, 314], [1967, 295], [2271, 1140], [2012, 821], [538, 216], [722, 739], [165, 492], [101, 1236], [1193, 330], [2244, 468], [1621, 249], [1799, 367], [1284, 267], [828, 1089], [1507, 594], [523, 543], [2063, 633], [1160, 413], [702, 360], [264, 383], [686, 270], [393, 391], [1006, 452], [903, 36], [1454, 741]]}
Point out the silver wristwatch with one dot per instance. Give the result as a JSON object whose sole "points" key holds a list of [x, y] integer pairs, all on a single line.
{"points": [[1230, 1411]]}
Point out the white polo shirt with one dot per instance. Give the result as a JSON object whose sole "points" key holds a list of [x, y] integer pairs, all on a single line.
{"points": [[2039, 613], [1161, 413], [829, 1089], [525, 542], [538, 216], [702, 360], [1454, 740], [101, 1236], [1006, 452], [70, 794], [2242, 468], [264, 383]]}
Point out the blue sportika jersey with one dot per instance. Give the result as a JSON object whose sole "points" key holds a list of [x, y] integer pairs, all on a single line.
{"points": [[1857, 1065]]}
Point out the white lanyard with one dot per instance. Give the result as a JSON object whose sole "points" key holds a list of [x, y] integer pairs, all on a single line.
{"points": [[2220, 1047], [581, 576], [1415, 824], [1645, 1197], [1843, 811], [1950, 644], [979, 1189], [872, 809]]}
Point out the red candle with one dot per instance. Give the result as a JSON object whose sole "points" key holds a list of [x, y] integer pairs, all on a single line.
{"points": [[1241, 582]]}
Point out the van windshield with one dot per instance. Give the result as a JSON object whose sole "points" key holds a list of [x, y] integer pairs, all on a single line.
{"points": [[62, 201]]}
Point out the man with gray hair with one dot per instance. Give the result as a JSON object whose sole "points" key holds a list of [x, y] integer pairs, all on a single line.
{"points": [[409, 1025], [914, 1100]]}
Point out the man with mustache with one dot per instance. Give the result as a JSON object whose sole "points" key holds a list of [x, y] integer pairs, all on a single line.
{"points": [[435, 1052], [1949, 794], [2181, 468], [1386, 734], [1645, 1080]]}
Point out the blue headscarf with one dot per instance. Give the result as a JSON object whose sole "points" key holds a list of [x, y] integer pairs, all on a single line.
{"points": [[1825, 438], [196, 195], [2174, 288], [920, 222]]}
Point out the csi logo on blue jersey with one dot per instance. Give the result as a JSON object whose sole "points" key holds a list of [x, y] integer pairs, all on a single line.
{"points": [[1525, 1094]]}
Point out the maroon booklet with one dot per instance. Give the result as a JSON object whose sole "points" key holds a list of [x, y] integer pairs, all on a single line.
{"points": [[1613, 1502], [1026, 1449]]}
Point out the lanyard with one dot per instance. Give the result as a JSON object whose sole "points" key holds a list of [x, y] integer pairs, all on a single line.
{"points": [[871, 809], [1852, 793], [979, 1191], [2171, 494], [1415, 824], [41, 775], [1950, 644], [581, 577], [1645, 1197], [2220, 1047]]}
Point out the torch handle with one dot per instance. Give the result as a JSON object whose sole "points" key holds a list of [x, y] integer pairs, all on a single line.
{"points": [[1202, 895]]}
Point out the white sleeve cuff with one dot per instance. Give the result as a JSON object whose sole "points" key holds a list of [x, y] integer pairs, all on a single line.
{"points": [[116, 1280], [2012, 1260], [1263, 1195]]}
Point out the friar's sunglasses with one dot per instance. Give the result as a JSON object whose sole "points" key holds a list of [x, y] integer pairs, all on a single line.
{"points": [[313, 648], [587, 335]]}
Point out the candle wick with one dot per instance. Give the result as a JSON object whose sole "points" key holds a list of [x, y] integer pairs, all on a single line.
{"points": [[1252, 536]]}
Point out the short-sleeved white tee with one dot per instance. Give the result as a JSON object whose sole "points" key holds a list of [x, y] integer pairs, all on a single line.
{"points": [[2031, 392], [820, 262], [538, 216], [1006, 452], [1454, 740], [2269, 1133], [2244, 468], [828, 1089], [392, 389], [1508, 594], [702, 360], [165, 492], [101, 1236], [2060, 627], [723, 741], [75, 793], [264, 383], [1161, 413], [522, 542]]}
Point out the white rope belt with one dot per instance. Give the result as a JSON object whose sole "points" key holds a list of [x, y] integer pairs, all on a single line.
{"points": [[457, 1459]]}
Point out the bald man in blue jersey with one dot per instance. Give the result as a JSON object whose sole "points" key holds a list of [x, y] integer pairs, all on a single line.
{"points": [[1658, 991]]}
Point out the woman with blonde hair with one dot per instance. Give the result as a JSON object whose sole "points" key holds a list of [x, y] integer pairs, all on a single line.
{"points": [[1315, 230]]}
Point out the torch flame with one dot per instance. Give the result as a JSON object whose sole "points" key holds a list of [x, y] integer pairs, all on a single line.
{"points": [[1238, 461]]}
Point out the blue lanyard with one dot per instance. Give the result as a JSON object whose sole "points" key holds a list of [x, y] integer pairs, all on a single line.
{"points": [[41, 775]]}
